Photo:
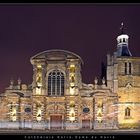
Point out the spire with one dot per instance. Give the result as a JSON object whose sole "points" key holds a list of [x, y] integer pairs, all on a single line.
{"points": [[122, 43], [19, 81], [103, 81], [11, 83], [95, 81], [122, 28]]}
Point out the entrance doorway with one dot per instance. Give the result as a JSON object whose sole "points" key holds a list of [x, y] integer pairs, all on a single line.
{"points": [[56, 122], [86, 124]]}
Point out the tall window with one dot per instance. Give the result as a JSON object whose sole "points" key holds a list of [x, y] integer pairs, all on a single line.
{"points": [[125, 68], [56, 83], [128, 68], [127, 112]]}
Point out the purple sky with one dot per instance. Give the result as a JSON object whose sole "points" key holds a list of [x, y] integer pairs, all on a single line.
{"points": [[89, 30]]}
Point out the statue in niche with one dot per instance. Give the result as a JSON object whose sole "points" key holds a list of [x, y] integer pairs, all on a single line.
{"points": [[72, 69], [38, 106], [100, 111], [72, 78], [38, 110], [72, 115], [99, 114], [72, 104], [39, 77], [13, 112], [100, 105]]}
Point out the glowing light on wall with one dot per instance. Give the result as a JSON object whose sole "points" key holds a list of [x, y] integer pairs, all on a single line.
{"points": [[100, 112], [38, 90], [72, 112], [72, 68], [72, 85], [39, 84], [99, 117], [39, 76], [72, 104], [72, 115], [72, 79], [13, 114], [38, 66], [72, 90], [38, 114]]}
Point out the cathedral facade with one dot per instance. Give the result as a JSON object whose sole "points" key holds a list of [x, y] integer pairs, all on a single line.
{"points": [[57, 99]]}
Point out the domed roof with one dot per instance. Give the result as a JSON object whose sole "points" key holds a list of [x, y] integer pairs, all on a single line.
{"points": [[56, 55]]}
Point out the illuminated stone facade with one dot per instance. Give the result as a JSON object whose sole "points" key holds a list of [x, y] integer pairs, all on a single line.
{"points": [[57, 99]]}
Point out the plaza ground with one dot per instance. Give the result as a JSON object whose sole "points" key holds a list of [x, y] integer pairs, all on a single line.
{"points": [[72, 132]]}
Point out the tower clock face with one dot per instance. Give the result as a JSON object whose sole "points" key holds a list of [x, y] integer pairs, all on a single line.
{"points": [[86, 110]]}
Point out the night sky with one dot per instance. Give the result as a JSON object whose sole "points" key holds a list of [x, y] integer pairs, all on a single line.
{"points": [[89, 30]]}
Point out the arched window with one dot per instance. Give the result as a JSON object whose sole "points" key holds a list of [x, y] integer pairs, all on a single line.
{"points": [[127, 112], [56, 83], [125, 68], [123, 39]]}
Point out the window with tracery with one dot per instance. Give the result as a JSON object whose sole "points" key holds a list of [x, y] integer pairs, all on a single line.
{"points": [[56, 83]]}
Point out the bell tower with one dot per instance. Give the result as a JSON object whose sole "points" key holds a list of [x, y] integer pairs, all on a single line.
{"points": [[122, 43]]}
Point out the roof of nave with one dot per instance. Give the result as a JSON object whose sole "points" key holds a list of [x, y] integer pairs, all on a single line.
{"points": [[56, 54]]}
